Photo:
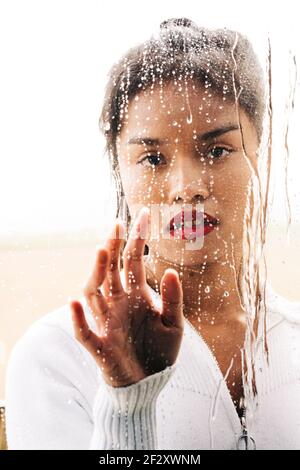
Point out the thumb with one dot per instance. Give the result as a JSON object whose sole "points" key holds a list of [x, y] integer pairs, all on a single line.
{"points": [[172, 299]]}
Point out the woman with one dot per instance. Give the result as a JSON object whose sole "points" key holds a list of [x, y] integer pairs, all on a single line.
{"points": [[164, 332]]}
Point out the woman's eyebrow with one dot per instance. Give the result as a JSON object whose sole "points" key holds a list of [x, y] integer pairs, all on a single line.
{"points": [[146, 141], [219, 131], [205, 136]]}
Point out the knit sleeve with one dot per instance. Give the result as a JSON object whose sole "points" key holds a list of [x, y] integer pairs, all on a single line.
{"points": [[125, 417]]}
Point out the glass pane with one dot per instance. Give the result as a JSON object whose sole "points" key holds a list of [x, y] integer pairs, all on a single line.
{"points": [[195, 318]]}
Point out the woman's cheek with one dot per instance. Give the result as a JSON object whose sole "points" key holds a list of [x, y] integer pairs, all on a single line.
{"points": [[132, 181]]}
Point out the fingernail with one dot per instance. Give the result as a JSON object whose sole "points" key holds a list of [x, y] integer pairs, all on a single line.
{"points": [[120, 229], [146, 209], [173, 271], [102, 257]]}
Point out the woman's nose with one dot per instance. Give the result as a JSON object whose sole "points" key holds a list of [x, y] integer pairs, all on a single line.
{"points": [[187, 185]]}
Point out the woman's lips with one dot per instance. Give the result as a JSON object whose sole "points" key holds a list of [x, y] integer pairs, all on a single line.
{"points": [[189, 224]]}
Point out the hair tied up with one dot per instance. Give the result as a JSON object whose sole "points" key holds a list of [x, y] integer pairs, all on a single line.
{"points": [[178, 22]]}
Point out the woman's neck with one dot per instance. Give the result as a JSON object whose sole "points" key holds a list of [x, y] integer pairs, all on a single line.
{"points": [[210, 293]]}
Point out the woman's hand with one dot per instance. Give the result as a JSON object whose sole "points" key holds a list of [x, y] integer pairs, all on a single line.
{"points": [[134, 338]]}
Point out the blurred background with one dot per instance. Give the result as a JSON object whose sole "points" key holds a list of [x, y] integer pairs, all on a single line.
{"points": [[57, 198]]}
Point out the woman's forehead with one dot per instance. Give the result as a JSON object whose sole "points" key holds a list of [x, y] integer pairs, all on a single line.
{"points": [[173, 96], [169, 106], [150, 116]]}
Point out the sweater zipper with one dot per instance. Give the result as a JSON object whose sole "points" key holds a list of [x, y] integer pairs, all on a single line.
{"points": [[244, 440]]}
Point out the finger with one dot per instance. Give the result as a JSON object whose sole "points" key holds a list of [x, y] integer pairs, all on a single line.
{"points": [[134, 268], [172, 299], [112, 284], [92, 291], [99, 271], [82, 331]]}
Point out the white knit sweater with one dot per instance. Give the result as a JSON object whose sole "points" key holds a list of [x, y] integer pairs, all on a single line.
{"points": [[56, 397]]}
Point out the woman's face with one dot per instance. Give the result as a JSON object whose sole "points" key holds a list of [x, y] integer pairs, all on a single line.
{"points": [[184, 164]]}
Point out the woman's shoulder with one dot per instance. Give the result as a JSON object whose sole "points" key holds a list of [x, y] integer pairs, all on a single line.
{"points": [[282, 308], [283, 324], [58, 320], [49, 341]]}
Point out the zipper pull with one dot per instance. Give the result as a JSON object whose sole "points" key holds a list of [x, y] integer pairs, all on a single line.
{"points": [[245, 442]]}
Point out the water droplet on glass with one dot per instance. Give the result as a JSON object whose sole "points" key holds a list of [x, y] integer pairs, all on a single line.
{"points": [[189, 119]]}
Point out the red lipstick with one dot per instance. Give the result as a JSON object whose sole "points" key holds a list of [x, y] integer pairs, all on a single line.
{"points": [[189, 224]]}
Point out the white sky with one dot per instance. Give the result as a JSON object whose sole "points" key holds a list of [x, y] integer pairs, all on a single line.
{"points": [[54, 59]]}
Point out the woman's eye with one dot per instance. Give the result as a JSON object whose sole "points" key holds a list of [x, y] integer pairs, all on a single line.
{"points": [[152, 160], [217, 152]]}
